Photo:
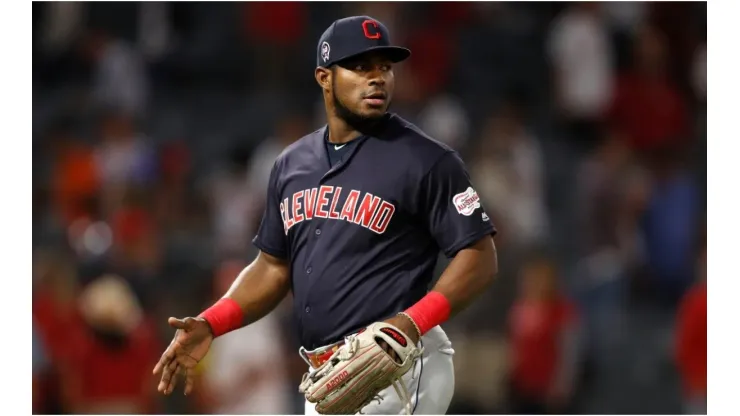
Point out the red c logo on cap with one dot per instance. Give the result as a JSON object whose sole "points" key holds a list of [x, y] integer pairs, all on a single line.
{"points": [[375, 33]]}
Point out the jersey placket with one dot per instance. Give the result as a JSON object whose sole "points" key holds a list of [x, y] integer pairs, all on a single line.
{"points": [[314, 232]]}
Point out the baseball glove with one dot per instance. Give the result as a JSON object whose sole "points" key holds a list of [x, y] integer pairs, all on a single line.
{"points": [[361, 369]]}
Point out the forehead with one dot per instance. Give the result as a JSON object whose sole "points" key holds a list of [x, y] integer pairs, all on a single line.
{"points": [[371, 57]]}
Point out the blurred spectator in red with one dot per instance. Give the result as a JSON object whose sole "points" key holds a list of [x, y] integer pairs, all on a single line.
{"points": [[274, 26], [54, 305], [691, 342], [174, 164], [583, 62], [433, 57], [74, 179], [279, 24], [544, 334], [450, 15], [507, 169], [109, 371], [648, 106], [245, 371], [57, 321]]}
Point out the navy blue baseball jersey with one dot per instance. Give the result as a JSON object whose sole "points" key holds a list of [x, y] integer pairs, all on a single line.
{"points": [[363, 234]]}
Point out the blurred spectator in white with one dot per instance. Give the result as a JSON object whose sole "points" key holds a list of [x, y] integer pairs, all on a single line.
{"points": [[691, 342], [110, 370], [625, 16], [582, 59], [508, 171], [612, 197], [155, 28], [61, 25], [699, 73], [545, 343], [445, 119], [228, 189], [648, 106], [124, 158], [613, 193], [120, 79], [289, 129], [245, 370]]}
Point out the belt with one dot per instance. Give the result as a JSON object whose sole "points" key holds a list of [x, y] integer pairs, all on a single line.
{"points": [[316, 358]]}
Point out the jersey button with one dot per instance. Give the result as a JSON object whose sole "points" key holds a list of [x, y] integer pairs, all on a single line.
{"points": [[309, 270], [308, 309], [318, 232]]}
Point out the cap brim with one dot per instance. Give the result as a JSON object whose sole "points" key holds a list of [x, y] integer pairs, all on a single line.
{"points": [[395, 53]]}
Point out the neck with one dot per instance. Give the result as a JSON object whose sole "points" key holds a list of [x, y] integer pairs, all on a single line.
{"points": [[344, 129], [340, 131]]}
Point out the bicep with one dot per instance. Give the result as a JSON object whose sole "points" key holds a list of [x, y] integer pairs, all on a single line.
{"points": [[277, 267], [452, 210], [271, 235]]}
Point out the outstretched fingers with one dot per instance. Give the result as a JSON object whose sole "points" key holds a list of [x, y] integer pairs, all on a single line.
{"points": [[189, 380], [168, 376]]}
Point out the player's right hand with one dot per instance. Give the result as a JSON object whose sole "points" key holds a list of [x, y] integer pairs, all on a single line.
{"points": [[189, 345]]}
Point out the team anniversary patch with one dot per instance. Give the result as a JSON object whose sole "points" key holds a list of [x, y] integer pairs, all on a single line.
{"points": [[466, 202]]}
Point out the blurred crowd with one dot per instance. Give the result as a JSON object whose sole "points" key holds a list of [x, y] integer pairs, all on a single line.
{"points": [[583, 125]]}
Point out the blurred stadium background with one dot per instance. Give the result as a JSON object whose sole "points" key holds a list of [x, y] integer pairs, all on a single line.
{"points": [[583, 125]]}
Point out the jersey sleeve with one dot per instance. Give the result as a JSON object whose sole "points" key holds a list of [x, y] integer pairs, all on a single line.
{"points": [[451, 208], [271, 237]]}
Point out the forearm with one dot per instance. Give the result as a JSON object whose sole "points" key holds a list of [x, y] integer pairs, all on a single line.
{"points": [[259, 289], [466, 277], [256, 291]]}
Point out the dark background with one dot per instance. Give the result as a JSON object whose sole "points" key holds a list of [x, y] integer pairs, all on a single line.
{"points": [[583, 127]]}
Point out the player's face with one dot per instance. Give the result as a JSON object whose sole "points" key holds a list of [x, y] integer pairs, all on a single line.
{"points": [[362, 87]]}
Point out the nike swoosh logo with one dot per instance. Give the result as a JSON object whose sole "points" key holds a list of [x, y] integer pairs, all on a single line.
{"points": [[339, 147]]}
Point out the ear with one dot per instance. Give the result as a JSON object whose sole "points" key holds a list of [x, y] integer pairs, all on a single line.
{"points": [[323, 77]]}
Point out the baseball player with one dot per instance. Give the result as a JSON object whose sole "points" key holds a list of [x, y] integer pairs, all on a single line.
{"points": [[356, 215]]}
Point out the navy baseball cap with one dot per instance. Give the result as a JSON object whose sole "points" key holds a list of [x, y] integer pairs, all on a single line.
{"points": [[355, 35]]}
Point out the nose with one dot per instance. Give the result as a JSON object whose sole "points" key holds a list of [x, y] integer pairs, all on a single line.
{"points": [[377, 78], [376, 75]]}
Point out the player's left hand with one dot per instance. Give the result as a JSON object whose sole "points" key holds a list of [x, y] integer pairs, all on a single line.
{"points": [[404, 324], [361, 369]]}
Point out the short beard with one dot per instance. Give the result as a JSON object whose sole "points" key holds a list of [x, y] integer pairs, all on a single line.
{"points": [[354, 120]]}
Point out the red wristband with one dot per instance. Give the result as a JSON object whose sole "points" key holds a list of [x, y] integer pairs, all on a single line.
{"points": [[224, 316], [432, 310]]}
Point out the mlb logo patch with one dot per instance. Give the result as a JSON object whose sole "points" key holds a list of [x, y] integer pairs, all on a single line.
{"points": [[466, 202]]}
